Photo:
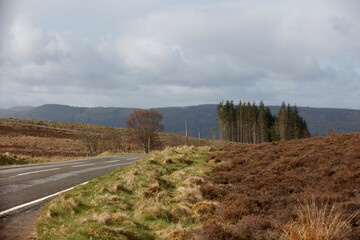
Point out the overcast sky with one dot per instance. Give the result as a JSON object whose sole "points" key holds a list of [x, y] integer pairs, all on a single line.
{"points": [[158, 53]]}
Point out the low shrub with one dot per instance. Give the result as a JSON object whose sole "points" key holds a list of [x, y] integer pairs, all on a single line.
{"points": [[9, 159]]}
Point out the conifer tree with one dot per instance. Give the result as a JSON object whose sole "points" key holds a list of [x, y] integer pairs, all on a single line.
{"points": [[262, 123], [281, 123], [249, 123]]}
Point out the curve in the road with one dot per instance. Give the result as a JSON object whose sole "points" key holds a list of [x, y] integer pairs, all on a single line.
{"points": [[27, 185]]}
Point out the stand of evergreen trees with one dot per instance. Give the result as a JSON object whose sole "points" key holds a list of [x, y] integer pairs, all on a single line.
{"points": [[249, 123]]}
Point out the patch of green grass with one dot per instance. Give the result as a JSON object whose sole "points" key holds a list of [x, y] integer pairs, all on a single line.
{"points": [[153, 198], [10, 159]]}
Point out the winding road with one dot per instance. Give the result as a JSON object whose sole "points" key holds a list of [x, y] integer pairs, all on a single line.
{"points": [[23, 186]]}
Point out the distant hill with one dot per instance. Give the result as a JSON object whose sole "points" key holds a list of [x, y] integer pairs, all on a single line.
{"points": [[319, 120], [20, 108]]}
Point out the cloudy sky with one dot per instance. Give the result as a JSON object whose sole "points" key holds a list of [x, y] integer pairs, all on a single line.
{"points": [[158, 53]]}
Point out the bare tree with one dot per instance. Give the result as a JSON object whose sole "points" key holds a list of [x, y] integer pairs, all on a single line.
{"points": [[146, 124], [92, 142], [96, 143]]}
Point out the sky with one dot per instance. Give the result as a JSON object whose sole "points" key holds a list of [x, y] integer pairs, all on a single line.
{"points": [[158, 53]]}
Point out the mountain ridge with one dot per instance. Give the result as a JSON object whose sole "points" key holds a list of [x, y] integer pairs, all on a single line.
{"points": [[203, 116]]}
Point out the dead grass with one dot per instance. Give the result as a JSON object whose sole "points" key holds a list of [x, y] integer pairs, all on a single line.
{"points": [[103, 218], [39, 144], [182, 212], [318, 222]]}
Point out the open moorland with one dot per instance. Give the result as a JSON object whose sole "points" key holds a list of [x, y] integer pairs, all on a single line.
{"points": [[260, 187], [42, 141], [299, 189]]}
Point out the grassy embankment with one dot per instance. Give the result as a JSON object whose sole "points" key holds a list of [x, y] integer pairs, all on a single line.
{"points": [[153, 198]]}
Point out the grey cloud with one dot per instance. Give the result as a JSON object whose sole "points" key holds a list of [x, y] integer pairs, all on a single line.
{"points": [[182, 52]]}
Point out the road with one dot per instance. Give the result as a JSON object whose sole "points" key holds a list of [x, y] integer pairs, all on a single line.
{"points": [[23, 184]]}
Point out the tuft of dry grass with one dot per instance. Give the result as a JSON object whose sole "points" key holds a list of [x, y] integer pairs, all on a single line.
{"points": [[103, 218], [318, 223], [188, 195], [151, 209], [182, 212], [119, 217]]}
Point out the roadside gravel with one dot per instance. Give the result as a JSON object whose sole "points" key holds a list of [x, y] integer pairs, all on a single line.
{"points": [[21, 225]]}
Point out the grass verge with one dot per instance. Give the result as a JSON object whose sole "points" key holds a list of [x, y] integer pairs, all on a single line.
{"points": [[155, 198]]}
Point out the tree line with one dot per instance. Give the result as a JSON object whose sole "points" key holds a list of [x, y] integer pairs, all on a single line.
{"points": [[250, 123], [97, 143]]}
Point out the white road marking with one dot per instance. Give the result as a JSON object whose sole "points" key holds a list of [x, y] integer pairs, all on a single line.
{"points": [[38, 200], [114, 161], [118, 160], [71, 163], [84, 165], [52, 169], [134, 158]]}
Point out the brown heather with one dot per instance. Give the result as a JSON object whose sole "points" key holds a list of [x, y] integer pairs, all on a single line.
{"points": [[262, 190]]}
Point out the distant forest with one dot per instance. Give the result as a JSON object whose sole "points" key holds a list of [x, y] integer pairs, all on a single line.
{"points": [[249, 123]]}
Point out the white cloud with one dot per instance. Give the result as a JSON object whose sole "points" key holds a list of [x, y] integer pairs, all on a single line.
{"points": [[146, 54], [29, 44]]}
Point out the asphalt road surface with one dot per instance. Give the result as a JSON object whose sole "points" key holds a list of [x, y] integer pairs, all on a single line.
{"points": [[24, 184]]}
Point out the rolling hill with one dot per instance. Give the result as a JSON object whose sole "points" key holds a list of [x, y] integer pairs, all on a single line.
{"points": [[319, 120]]}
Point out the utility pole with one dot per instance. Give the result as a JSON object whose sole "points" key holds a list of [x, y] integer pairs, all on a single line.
{"points": [[199, 138], [186, 141]]}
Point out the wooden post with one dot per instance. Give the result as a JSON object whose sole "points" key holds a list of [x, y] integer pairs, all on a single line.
{"points": [[149, 144]]}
